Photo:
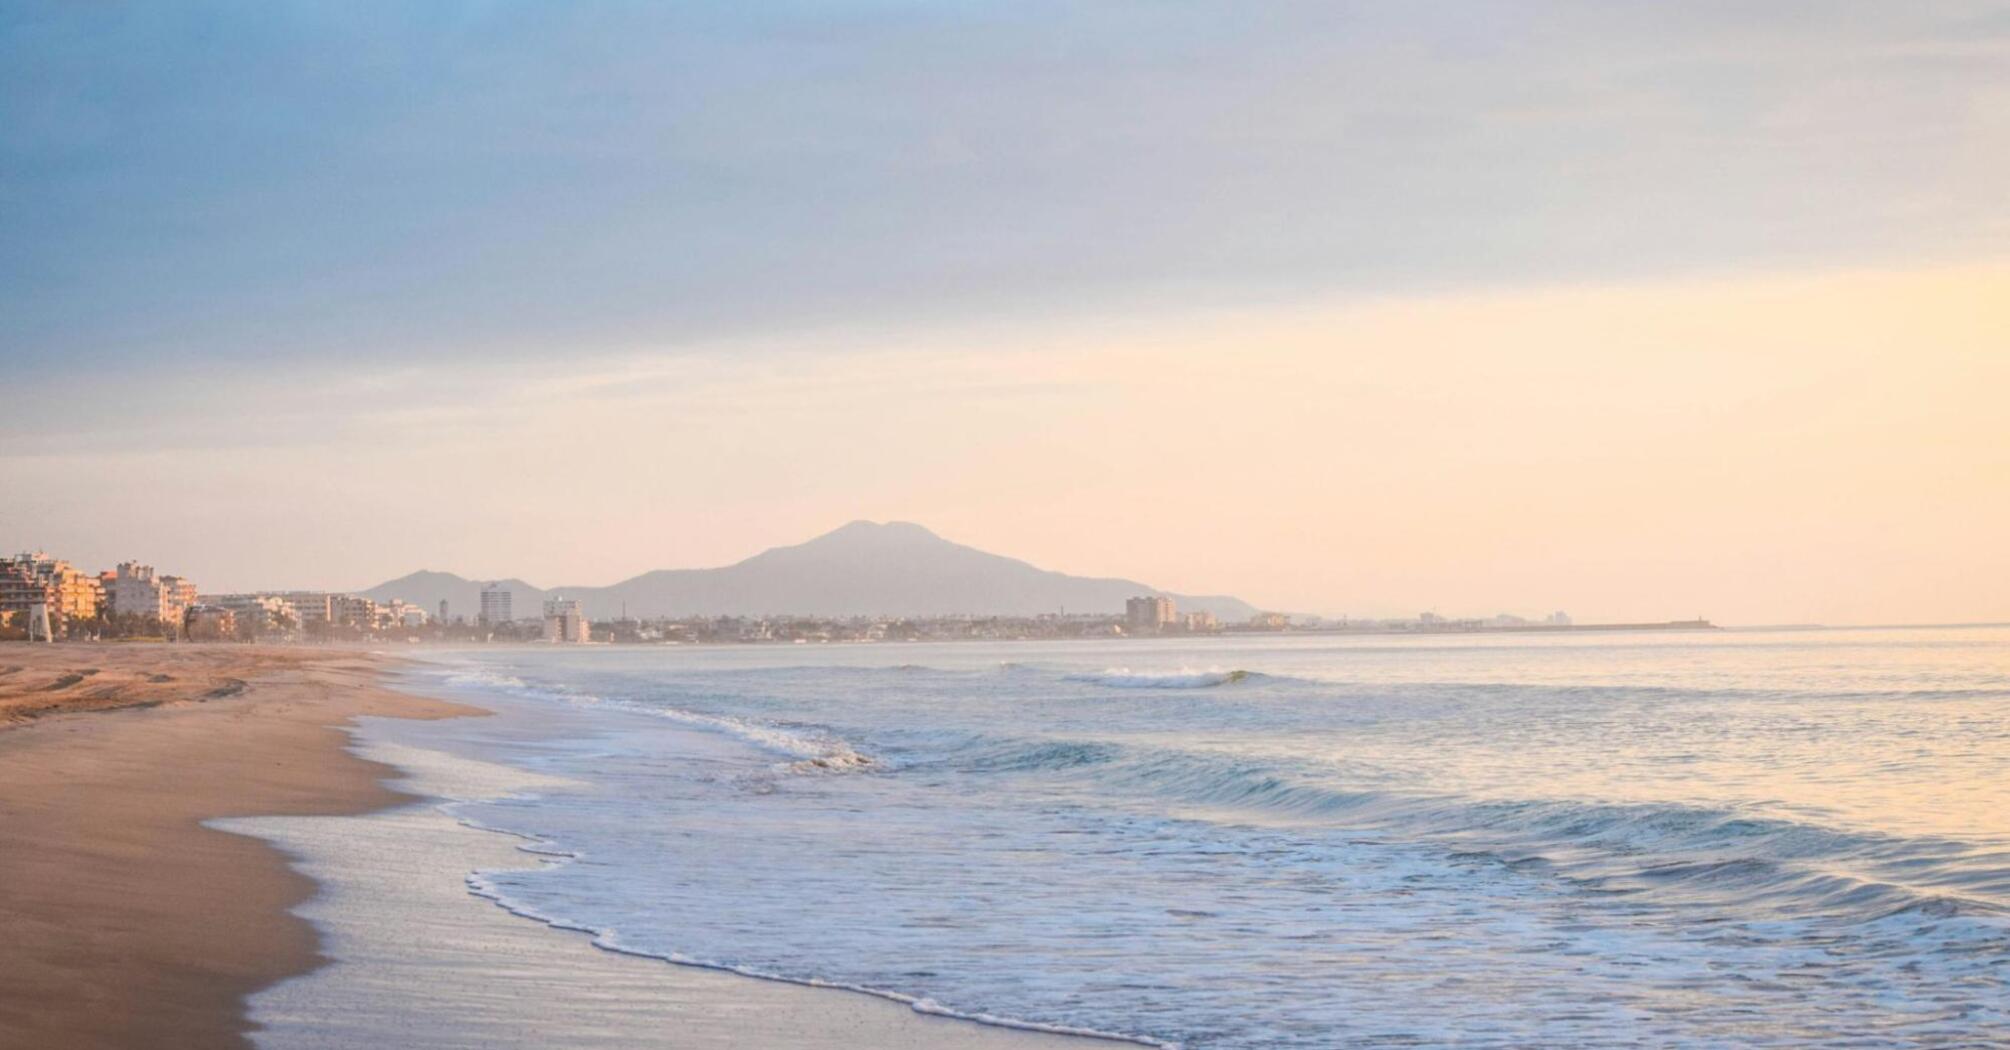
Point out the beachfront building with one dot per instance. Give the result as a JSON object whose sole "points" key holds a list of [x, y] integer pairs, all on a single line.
{"points": [[399, 613], [495, 605], [563, 622], [257, 614], [182, 595], [311, 609], [1201, 622], [69, 596], [1270, 621], [136, 590], [1152, 612], [353, 610], [133, 590]]}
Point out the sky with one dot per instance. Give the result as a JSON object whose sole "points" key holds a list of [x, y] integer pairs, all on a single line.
{"points": [[1631, 310]]}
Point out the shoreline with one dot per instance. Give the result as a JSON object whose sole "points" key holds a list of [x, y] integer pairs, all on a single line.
{"points": [[424, 957], [160, 882], [131, 923]]}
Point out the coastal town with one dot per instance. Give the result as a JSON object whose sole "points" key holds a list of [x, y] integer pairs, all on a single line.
{"points": [[46, 598]]}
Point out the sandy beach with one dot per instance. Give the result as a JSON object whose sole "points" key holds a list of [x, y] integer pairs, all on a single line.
{"points": [[132, 923], [129, 923]]}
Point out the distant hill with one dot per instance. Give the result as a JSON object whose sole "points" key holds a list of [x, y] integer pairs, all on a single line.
{"points": [[863, 569], [464, 596]]}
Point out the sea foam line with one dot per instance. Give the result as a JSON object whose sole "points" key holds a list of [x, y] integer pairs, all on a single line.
{"points": [[1184, 678], [812, 754], [481, 883]]}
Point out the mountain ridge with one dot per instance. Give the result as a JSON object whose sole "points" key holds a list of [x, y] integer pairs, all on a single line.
{"points": [[862, 568]]}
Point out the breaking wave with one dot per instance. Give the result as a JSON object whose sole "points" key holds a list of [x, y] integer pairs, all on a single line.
{"points": [[1185, 678], [476, 678], [1692, 853], [815, 751], [812, 750]]}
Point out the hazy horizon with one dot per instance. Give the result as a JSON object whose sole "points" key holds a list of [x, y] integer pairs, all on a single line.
{"points": [[1635, 313]]}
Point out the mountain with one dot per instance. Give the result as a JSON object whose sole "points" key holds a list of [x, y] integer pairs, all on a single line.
{"points": [[425, 588], [863, 569]]}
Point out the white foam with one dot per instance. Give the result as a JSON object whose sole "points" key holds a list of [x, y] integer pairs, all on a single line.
{"points": [[421, 963], [481, 885], [480, 678], [1184, 678], [814, 752], [452, 778]]}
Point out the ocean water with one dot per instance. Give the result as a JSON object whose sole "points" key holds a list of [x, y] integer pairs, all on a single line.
{"points": [[1648, 839]]}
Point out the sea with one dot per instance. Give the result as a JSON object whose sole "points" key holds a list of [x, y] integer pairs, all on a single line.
{"points": [[1583, 839]]}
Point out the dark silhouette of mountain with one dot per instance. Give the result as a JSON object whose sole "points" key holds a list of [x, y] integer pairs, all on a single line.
{"points": [[863, 569]]}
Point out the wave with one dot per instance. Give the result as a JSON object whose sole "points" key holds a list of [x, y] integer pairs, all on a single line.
{"points": [[1686, 853], [1670, 852], [483, 679], [1032, 756], [1185, 678], [482, 884], [845, 761], [1728, 864], [813, 751]]}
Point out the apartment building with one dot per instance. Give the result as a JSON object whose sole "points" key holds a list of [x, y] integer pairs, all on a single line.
{"points": [[309, 607], [257, 614], [563, 621], [495, 605], [31, 579], [136, 590], [1152, 612], [352, 610]]}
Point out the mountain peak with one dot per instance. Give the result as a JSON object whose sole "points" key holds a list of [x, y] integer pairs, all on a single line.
{"points": [[859, 542], [889, 537], [863, 528]]}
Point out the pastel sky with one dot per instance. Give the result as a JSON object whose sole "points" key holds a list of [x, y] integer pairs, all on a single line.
{"points": [[1633, 310]]}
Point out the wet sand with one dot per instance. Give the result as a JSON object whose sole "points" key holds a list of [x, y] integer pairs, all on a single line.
{"points": [[127, 922]]}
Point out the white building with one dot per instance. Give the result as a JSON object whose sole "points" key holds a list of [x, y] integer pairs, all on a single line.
{"points": [[563, 622], [354, 610], [309, 607], [495, 605], [135, 590], [258, 614]]}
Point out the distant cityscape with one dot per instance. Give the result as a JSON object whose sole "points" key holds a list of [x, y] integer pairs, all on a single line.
{"points": [[46, 598]]}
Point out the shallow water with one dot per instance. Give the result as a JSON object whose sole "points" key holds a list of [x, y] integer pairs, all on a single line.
{"points": [[1654, 839]]}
